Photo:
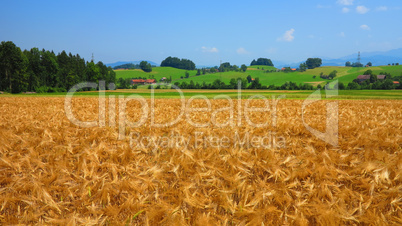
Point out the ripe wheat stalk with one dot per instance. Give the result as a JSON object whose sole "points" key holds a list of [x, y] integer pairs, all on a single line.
{"points": [[54, 172]]}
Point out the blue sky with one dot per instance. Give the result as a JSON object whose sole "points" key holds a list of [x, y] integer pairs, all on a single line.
{"points": [[204, 31]]}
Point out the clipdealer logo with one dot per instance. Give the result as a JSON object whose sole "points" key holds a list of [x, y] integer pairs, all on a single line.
{"points": [[148, 112], [199, 140], [331, 134]]}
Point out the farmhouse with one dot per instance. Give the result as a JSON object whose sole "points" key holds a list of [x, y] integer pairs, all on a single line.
{"points": [[142, 81], [150, 81], [137, 81], [362, 78], [396, 82], [381, 77], [292, 69]]}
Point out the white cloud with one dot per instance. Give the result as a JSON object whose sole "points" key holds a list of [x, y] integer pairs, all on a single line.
{"points": [[209, 49], [382, 8], [345, 2], [362, 9], [242, 50], [365, 27], [288, 36], [345, 10], [342, 34]]}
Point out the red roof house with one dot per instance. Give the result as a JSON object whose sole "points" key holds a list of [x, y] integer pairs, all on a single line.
{"points": [[138, 81], [150, 81]]}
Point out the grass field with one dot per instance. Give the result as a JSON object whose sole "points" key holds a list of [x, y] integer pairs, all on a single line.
{"points": [[54, 172], [261, 67], [345, 74], [157, 72]]}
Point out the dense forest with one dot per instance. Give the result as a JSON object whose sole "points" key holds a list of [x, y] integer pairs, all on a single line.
{"points": [[43, 71], [178, 63]]}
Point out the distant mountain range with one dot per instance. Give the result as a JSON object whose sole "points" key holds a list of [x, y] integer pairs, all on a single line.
{"points": [[376, 58], [128, 62]]}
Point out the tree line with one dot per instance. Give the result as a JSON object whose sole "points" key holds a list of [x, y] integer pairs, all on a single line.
{"points": [[255, 84], [246, 83], [127, 66], [37, 70], [144, 65], [227, 67], [356, 64]]}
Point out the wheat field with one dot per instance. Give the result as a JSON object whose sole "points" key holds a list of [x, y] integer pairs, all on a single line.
{"points": [[55, 172]]}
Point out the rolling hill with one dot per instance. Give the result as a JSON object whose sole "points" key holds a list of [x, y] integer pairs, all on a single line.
{"points": [[345, 74]]}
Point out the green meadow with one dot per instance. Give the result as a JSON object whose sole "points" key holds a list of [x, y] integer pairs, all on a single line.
{"points": [[345, 74], [157, 72]]}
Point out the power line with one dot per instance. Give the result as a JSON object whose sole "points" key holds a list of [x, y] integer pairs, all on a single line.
{"points": [[358, 58]]}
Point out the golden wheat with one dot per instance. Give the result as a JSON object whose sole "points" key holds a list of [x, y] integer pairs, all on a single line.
{"points": [[54, 172]]}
